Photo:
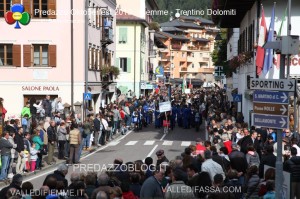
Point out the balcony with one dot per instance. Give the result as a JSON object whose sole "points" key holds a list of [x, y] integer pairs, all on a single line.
{"points": [[190, 59], [205, 48], [183, 69], [193, 48], [107, 36], [205, 59], [176, 47]]}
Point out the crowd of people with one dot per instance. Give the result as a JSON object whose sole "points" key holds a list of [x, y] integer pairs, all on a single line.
{"points": [[237, 161]]}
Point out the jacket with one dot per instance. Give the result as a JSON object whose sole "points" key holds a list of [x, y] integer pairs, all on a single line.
{"points": [[96, 124], [26, 110], [253, 187], [5, 147], [268, 159], [151, 188], [178, 190], [18, 139], [47, 106], [33, 154], [75, 137], [43, 135], [212, 168], [51, 132], [38, 142], [117, 115], [293, 166], [61, 134], [252, 158]]}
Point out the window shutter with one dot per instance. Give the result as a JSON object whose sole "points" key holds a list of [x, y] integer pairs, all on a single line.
{"points": [[118, 62], [128, 65], [27, 55], [17, 55], [27, 6], [52, 55], [15, 1], [101, 61], [52, 8]]}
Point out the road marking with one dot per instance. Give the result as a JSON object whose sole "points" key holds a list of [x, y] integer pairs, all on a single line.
{"points": [[114, 143], [151, 142], [186, 143], [161, 139], [99, 149], [167, 143], [150, 153], [131, 143]]}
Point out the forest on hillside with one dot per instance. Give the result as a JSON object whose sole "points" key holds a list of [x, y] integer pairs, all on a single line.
{"points": [[172, 5]]}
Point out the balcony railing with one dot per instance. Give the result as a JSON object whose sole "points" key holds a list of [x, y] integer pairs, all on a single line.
{"points": [[107, 35], [205, 59], [183, 69], [205, 48], [176, 46], [193, 48]]}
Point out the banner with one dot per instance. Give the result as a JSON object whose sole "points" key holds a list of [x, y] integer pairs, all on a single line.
{"points": [[164, 106]]}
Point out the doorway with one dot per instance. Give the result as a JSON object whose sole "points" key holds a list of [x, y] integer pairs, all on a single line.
{"points": [[37, 98]]}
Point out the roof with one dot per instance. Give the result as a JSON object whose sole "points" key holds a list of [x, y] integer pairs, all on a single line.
{"points": [[194, 18], [159, 43], [128, 17], [159, 35], [176, 37], [171, 29], [180, 24]]}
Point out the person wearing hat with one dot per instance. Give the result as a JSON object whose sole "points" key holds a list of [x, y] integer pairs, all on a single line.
{"points": [[15, 184], [161, 157]]}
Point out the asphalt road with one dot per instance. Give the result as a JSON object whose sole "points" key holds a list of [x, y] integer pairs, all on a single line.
{"points": [[130, 147]]}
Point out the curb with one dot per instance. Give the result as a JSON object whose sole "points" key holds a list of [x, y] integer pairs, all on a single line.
{"points": [[49, 167]]}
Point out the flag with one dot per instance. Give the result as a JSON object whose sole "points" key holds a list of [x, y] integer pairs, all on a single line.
{"points": [[268, 61], [278, 35], [260, 54], [183, 85]]}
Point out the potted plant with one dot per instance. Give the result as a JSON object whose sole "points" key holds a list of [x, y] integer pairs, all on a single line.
{"points": [[115, 71]]}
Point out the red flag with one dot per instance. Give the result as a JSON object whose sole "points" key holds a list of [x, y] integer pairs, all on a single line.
{"points": [[260, 54]]}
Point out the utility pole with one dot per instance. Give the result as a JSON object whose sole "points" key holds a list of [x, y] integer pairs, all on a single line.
{"points": [[72, 60], [86, 52]]}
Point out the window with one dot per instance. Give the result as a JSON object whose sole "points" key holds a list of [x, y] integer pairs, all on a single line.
{"points": [[123, 64], [122, 35], [40, 55], [40, 8], [6, 55], [4, 7]]}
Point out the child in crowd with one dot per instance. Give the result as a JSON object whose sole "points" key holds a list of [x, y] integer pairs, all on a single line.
{"points": [[25, 122], [26, 159], [33, 157], [124, 129]]}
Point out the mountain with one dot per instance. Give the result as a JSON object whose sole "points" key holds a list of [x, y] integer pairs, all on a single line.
{"points": [[186, 6]]}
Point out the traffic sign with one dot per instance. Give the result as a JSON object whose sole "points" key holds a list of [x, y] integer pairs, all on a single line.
{"points": [[267, 108], [271, 97], [237, 98], [270, 121], [87, 96], [273, 84]]}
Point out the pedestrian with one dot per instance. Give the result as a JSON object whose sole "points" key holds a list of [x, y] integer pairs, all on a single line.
{"points": [[51, 132], [39, 146], [62, 138], [75, 140], [18, 139], [5, 148], [161, 157], [151, 188], [97, 129], [33, 157], [47, 106]]}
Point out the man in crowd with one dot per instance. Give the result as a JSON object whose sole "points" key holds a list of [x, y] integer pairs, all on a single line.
{"points": [[51, 132]]}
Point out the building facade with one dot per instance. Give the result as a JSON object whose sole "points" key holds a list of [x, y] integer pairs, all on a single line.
{"points": [[135, 43], [190, 42], [36, 60], [247, 20]]}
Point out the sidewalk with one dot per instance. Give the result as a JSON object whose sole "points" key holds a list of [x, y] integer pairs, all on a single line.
{"points": [[49, 167]]}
